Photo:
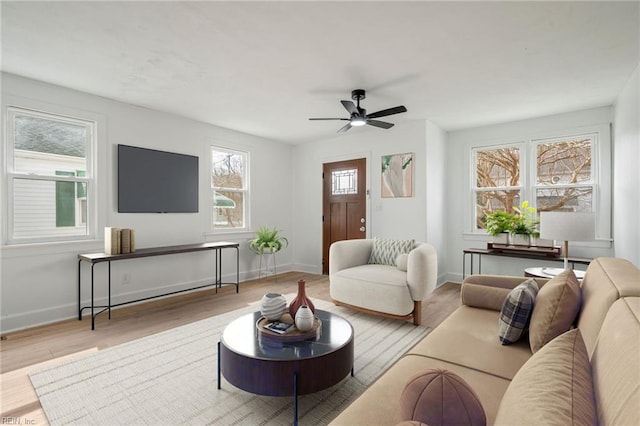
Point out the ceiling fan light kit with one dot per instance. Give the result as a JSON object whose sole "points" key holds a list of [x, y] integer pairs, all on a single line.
{"points": [[358, 116]]}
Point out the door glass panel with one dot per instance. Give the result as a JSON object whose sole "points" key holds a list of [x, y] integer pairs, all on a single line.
{"points": [[344, 182]]}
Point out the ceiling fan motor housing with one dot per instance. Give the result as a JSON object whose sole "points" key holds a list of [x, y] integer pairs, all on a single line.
{"points": [[358, 94]]}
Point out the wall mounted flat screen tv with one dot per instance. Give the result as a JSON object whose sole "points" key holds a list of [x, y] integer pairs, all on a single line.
{"points": [[151, 181]]}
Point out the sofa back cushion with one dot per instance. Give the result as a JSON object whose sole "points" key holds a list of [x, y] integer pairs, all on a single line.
{"points": [[616, 365], [607, 279], [555, 310], [553, 388]]}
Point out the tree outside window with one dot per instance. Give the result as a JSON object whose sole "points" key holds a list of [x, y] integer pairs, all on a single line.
{"points": [[229, 188], [562, 172]]}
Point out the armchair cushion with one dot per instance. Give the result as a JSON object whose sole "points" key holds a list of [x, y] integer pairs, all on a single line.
{"points": [[385, 252]]}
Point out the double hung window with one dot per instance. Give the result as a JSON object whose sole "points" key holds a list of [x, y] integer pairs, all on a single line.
{"points": [[230, 189], [50, 176], [568, 173]]}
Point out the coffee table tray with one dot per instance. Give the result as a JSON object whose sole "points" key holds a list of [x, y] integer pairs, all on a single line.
{"points": [[294, 335]]}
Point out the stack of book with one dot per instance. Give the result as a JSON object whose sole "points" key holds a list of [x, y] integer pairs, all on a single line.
{"points": [[119, 240]]}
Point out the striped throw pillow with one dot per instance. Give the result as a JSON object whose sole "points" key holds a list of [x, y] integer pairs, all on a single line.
{"points": [[385, 252], [516, 312]]}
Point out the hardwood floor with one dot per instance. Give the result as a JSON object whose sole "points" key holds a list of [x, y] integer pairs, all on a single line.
{"points": [[20, 351]]}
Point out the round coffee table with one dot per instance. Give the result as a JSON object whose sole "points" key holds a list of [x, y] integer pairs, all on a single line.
{"points": [[268, 366]]}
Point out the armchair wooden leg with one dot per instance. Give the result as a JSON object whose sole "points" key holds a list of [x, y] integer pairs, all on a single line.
{"points": [[417, 312]]}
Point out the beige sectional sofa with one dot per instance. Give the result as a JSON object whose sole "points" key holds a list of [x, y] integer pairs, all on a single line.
{"points": [[467, 344]]}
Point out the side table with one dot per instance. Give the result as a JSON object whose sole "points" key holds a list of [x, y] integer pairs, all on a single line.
{"points": [[549, 272]]}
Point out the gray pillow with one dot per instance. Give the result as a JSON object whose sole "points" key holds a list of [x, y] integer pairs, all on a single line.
{"points": [[385, 252], [516, 312]]}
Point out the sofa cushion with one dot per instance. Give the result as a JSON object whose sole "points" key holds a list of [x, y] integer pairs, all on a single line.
{"points": [[385, 252], [553, 388], [379, 404], [516, 312], [616, 364], [555, 310], [468, 337], [438, 397], [385, 287]]}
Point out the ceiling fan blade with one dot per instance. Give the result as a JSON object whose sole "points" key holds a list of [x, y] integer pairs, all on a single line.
{"points": [[345, 128], [382, 124], [345, 119], [350, 106], [389, 111]]}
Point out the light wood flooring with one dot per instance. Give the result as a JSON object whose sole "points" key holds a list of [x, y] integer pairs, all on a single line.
{"points": [[22, 351]]}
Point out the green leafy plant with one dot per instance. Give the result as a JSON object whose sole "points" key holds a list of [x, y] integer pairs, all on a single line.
{"points": [[268, 240], [523, 222], [526, 220], [499, 222]]}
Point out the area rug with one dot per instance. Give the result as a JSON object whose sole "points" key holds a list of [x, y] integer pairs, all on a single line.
{"points": [[170, 378]]}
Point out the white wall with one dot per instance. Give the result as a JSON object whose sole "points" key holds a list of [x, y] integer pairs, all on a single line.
{"points": [[459, 144], [436, 195], [401, 218], [626, 193], [38, 282]]}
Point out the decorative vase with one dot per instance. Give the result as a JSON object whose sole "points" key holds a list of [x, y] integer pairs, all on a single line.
{"points": [[304, 318], [301, 299], [272, 306]]}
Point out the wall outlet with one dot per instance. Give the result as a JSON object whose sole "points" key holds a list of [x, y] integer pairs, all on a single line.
{"points": [[126, 278]]}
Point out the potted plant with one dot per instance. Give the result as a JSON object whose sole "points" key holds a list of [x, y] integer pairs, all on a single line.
{"points": [[268, 240], [526, 223], [500, 222]]}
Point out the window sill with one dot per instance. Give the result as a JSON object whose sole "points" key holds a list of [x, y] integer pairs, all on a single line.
{"points": [[50, 247]]}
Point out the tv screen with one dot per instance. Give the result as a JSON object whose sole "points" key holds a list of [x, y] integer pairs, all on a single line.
{"points": [[151, 181]]}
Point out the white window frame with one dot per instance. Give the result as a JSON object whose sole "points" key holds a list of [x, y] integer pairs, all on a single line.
{"points": [[10, 112], [474, 186], [601, 172], [247, 199]]}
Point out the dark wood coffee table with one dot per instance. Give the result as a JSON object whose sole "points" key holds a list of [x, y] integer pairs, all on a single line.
{"points": [[268, 366]]}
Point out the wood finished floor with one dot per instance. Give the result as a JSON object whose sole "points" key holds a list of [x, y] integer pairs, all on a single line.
{"points": [[24, 350]]}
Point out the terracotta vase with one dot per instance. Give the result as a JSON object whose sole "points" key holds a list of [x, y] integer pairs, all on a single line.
{"points": [[301, 299]]}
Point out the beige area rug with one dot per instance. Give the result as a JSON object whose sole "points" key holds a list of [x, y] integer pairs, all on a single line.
{"points": [[170, 378]]}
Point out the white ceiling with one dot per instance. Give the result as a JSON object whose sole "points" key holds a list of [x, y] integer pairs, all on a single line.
{"points": [[265, 67]]}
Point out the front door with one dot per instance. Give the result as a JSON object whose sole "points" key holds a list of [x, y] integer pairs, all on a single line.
{"points": [[343, 204]]}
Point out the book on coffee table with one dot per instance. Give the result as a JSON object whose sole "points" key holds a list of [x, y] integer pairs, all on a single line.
{"points": [[279, 327]]}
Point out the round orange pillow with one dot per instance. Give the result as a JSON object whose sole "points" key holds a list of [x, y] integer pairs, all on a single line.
{"points": [[440, 397]]}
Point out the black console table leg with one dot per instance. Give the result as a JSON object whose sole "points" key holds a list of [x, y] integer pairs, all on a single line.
{"points": [[219, 384], [79, 293], [93, 317], [109, 285]]}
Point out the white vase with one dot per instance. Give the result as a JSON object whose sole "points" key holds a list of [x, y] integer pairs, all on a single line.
{"points": [[304, 318], [272, 306]]}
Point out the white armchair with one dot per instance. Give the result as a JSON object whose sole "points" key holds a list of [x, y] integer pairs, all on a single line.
{"points": [[391, 291]]}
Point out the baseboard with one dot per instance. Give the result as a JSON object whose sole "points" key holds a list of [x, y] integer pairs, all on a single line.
{"points": [[35, 318]]}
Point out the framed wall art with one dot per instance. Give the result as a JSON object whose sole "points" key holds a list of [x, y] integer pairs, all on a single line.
{"points": [[397, 175]]}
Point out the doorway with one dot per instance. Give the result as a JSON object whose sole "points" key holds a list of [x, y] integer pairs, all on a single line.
{"points": [[344, 206]]}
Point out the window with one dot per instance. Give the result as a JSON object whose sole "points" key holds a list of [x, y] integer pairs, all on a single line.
{"points": [[553, 174], [498, 180], [230, 189], [50, 178]]}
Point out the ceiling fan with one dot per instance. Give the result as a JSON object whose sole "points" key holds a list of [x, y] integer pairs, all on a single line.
{"points": [[359, 116]]}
